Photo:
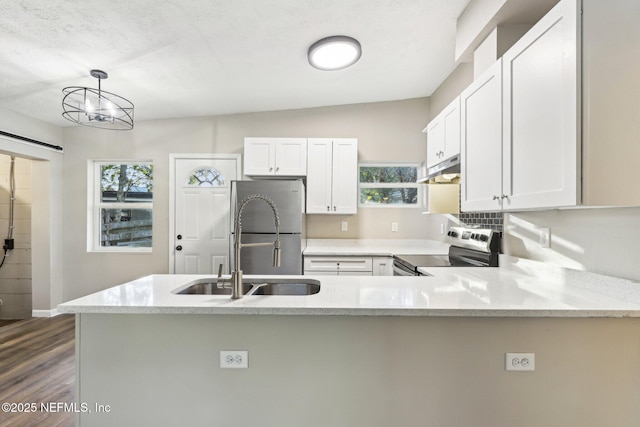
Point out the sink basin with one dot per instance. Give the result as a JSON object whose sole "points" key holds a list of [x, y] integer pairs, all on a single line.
{"points": [[307, 287], [213, 286]]}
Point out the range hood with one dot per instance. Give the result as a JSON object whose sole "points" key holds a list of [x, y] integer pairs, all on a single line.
{"points": [[449, 166]]}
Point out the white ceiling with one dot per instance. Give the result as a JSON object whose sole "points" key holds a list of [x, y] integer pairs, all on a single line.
{"points": [[186, 58]]}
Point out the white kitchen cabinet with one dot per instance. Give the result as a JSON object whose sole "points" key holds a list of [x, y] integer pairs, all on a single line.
{"points": [[481, 142], [332, 176], [383, 266], [443, 134], [541, 113], [568, 113], [275, 156], [338, 266]]}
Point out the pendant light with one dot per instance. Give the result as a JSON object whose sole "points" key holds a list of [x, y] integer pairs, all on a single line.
{"points": [[97, 108]]}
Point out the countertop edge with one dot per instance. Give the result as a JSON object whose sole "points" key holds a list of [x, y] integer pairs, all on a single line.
{"points": [[363, 312]]}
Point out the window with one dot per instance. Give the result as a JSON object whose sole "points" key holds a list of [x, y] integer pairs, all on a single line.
{"points": [[120, 218], [205, 177], [390, 185]]}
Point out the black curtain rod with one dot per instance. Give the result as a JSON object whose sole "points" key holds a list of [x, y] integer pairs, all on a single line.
{"points": [[32, 141]]}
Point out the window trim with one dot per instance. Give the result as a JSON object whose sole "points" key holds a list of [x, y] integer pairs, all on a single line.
{"points": [[421, 171], [94, 206]]}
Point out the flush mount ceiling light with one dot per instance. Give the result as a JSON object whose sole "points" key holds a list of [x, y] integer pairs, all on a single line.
{"points": [[334, 53], [97, 108]]}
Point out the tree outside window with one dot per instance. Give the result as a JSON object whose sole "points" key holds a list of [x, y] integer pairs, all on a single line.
{"points": [[123, 206], [389, 185]]}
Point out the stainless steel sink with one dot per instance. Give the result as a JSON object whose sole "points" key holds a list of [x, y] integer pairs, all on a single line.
{"points": [[214, 286]]}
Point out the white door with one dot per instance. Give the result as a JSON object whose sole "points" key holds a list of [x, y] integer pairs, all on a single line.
{"points": [[201, 209]]}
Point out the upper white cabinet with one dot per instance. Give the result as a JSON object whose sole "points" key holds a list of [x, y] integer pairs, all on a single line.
{"points": [[562, 128], [275, 156], [443, 134], [332, 176], [481, 140], [541, 113]]}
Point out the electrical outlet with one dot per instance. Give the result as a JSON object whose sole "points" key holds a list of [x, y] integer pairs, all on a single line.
{"points": [[545, 237], [234, 359], [520, 362], [344, 226], [394, 227]]}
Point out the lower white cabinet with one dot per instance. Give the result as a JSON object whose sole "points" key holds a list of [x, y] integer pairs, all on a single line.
{"points": [[383, 266], [338, 266], [348, 266]]}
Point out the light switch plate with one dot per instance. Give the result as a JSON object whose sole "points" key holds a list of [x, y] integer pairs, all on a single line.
{"points": [[344, 226]]}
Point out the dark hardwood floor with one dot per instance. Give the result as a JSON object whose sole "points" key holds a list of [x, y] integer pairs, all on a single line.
{"points": [[37, 361]]}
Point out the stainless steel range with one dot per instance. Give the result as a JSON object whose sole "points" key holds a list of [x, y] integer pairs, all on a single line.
{"points": [[469, 247]]}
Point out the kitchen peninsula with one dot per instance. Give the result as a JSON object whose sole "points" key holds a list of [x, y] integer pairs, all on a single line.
{"points": [[374, 351]]}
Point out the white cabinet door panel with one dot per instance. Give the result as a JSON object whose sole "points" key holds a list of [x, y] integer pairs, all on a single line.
{"points": [[319, 175], [451, 121], [291, 156], [259, 156], [345, 176], [481, 155], [540, 161]]}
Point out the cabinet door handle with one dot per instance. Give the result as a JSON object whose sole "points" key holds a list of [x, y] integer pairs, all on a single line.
{"points": [[179, 248], [328, 209], [271, 169], [334, 208], [504, 196], [496, 197], [277, 168]]}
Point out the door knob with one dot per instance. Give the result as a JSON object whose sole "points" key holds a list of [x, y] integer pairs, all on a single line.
{"points": [[179, 237], [179, 248]]}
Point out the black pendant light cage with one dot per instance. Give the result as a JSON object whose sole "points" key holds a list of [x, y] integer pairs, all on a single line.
{"points": [[97, 108]]}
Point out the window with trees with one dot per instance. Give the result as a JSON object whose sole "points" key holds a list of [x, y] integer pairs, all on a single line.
{"points": [[121, 217], [389, 185]]}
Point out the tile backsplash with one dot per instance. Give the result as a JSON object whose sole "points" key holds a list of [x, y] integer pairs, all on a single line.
{"points": [[493, 220]]}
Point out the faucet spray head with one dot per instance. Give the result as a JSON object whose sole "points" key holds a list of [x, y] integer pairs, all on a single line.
{"points": [[276, 253]]}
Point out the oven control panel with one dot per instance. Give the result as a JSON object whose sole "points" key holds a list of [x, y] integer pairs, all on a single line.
{"points": [[481, 239]]}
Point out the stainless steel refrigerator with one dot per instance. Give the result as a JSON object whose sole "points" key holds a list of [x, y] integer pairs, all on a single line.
{"points": [[258, 225]]}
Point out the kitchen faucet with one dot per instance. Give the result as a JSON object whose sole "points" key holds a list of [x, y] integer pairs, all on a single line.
{"points": [[236, 274]]}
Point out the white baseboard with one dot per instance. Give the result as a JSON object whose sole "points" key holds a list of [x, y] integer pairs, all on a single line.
{"points": [[44, 313]]}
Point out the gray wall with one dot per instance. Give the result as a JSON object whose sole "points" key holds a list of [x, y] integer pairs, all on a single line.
{"points": [[163, 370], [47, 205], [386, 132]]}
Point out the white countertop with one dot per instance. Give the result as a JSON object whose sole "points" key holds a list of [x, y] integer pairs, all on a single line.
{"points": [[373, 247], [524, 289]]}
